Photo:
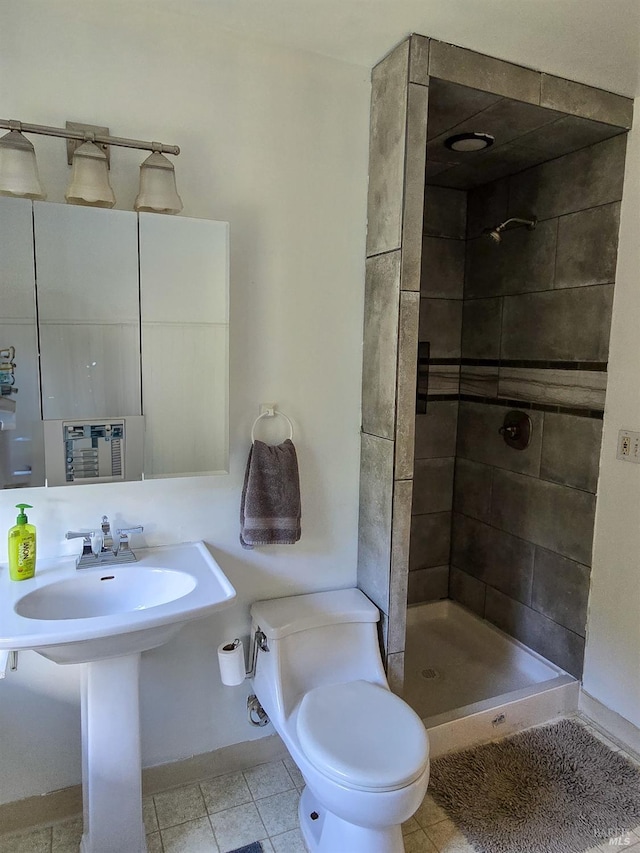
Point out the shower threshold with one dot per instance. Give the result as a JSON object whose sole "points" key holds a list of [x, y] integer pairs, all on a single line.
{"points": [[471, 682]]}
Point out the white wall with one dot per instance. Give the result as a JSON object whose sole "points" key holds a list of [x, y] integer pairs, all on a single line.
{"points": [[612, 663], [274, 141]]}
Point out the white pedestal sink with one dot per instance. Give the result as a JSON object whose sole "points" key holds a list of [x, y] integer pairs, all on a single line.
{"points": [[104, 618]]}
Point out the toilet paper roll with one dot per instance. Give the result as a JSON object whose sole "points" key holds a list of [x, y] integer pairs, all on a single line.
{"points": [[231, 662]]}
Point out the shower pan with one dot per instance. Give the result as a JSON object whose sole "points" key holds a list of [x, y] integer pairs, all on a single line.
{"points": [[469, 681]]}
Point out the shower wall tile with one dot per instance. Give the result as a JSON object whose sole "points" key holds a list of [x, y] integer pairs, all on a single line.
{"points": [[479, 381], [469, 68], [380, 344], [570, 324], [419, 60], [472, 489], [480, 441], [432, 169], [588, 246], [441, 325], [432, 485], [487, 206], [383, 632], [414, 186], [561, 590], [428, 584], [442, 273], [406, 384], [497, 163], [436, 430], [572, 388], [553, 641], [585, 178], [571, 451], [400, 545], [395, 672], [508, 121], [387, 151], [493, 556], [481, 327], [430, 540], [374, 525], [444, 379], [467, 590], [524, 261], [553, 516], [570, 134], [445, 212], [453, 104], [580, 100]]}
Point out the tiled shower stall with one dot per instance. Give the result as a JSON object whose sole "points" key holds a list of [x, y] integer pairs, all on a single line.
{"points": [[460, 330]]}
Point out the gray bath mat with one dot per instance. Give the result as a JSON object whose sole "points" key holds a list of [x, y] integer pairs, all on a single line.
{"points": [[555, 788]]}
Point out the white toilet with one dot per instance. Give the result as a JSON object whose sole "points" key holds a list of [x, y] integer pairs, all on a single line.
{"points": [[363, 752]]}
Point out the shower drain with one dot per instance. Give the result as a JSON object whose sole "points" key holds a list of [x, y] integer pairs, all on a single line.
{"points": [[430, 673]]}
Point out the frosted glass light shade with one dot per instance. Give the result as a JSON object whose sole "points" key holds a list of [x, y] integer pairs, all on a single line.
{"points": [[89, 182], [18, 168], [158, 192]]}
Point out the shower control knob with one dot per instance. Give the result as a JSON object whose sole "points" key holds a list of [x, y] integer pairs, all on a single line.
{"points": [[516, 430], [510, 431]]}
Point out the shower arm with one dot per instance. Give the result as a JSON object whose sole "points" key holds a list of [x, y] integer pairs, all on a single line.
{"points": [[530, 223]]}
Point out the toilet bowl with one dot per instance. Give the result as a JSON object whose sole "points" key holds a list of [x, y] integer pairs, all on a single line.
{"points": [[362, 751]]}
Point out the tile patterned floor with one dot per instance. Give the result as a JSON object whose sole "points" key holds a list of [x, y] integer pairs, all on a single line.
{"points": [[259, 804]]}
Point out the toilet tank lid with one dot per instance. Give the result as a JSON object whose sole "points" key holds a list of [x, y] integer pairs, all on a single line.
{"points": [[282, 616]]}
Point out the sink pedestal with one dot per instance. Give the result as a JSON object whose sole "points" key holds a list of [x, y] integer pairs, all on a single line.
{"points": [[111, 764]]}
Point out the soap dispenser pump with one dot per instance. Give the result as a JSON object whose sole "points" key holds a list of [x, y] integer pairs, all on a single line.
{"points": [[22, 547]]}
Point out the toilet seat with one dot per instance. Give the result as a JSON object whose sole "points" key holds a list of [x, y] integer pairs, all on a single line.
{"points": [[362, 735]]}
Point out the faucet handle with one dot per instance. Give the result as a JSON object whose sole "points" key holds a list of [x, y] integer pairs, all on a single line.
{"points": [[78, 534], [121, 538], [127, 531]]}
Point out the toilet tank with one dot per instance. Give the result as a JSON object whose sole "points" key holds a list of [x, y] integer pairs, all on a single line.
{"points": [[313, 640]]}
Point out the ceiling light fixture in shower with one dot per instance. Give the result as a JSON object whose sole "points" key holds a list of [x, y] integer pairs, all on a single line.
{"points": [[474, 141]]}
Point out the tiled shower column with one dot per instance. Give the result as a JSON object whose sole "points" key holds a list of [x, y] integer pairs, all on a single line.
{"points": [[392, 296]]}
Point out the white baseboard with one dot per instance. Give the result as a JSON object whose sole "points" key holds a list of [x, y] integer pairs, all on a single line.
{"points": [[44, 809], [616, 727]]}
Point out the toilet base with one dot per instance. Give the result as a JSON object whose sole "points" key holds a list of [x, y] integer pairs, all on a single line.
{"points": [[327, 833]]}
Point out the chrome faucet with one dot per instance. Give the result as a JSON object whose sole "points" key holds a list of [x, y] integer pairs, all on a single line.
{"points": [[102, 547]]}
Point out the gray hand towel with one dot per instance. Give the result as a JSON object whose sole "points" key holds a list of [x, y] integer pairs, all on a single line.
{"points": [[270, 506]]}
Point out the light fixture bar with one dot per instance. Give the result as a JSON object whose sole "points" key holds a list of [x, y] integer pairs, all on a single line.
{"points": [[82, 136]]}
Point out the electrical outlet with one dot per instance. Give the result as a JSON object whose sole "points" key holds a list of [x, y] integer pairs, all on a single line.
{"points": [[628, 446]]}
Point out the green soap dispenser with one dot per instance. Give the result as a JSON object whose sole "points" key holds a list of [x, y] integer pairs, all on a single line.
{"points": [[22, 547]]}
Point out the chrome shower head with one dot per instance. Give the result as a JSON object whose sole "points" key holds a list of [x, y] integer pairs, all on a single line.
{"points": [[495, 234]]}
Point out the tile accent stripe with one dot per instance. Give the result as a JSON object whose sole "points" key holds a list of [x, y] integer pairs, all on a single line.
{"points": [[526, 404], [597, 366], [567, 387], [576, 388]]}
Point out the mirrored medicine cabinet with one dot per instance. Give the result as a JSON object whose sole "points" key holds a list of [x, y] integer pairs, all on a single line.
{"points": [[114, 345]]}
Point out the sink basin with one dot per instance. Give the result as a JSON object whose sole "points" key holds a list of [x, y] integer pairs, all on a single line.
{"points": [[107, 592], [76, 616]]}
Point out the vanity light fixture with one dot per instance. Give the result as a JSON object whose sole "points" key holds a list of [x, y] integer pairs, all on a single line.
{"points": [[158, 191], [88, 149], [18, 168], [89, 182], [474, 141]]}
